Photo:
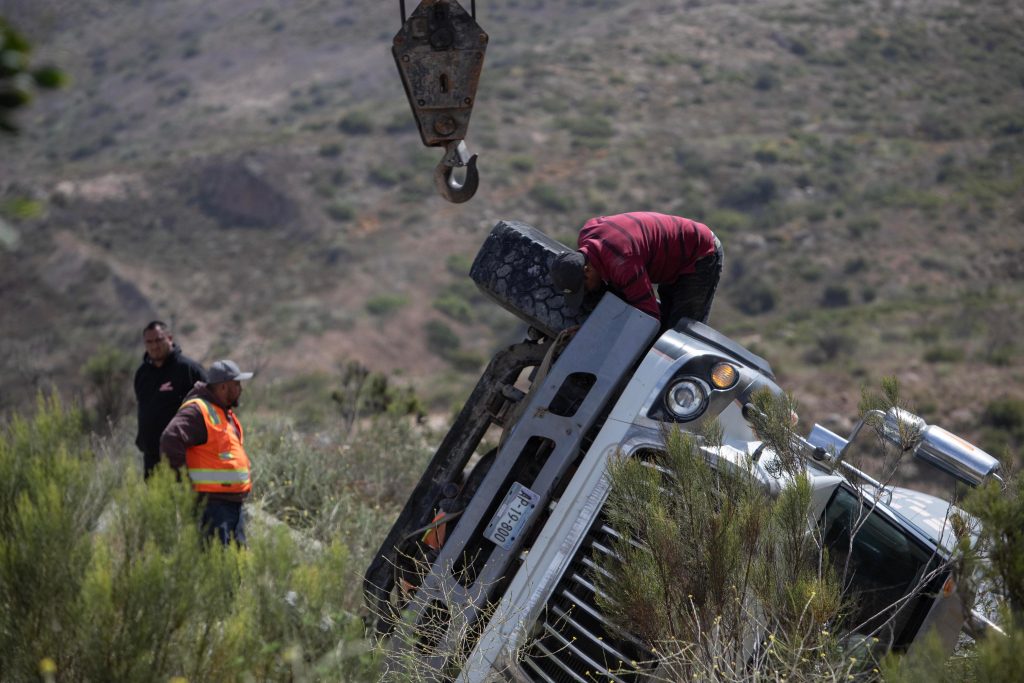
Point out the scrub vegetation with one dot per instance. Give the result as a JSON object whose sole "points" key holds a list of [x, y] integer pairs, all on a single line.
{"points": [[725, 583], [104, 577]]}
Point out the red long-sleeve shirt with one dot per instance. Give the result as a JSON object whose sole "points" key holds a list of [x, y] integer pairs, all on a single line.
{"points": [[632, 252]]}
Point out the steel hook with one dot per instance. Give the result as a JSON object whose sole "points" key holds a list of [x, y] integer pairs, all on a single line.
{"points": [[456, 156]]}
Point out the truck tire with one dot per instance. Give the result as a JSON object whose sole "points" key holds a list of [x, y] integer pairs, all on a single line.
{"points": [[512, 269]]}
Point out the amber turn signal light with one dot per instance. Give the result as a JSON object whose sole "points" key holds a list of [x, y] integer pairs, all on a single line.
{"points": [[724, 375]]}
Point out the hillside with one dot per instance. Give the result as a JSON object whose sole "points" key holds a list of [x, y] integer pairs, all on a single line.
{"points": [[250, 171]]}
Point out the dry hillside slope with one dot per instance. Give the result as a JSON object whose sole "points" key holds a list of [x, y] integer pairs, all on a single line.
{"points": [[250, 171]]}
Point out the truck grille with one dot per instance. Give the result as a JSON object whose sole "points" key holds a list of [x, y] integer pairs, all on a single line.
{"points": [[574, 642]]}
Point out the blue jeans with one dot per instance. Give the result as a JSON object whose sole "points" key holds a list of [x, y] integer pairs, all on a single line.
{"points": [[223, 519]]}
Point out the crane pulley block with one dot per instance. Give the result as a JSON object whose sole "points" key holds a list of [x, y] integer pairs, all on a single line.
{"points": [[439, 52]]}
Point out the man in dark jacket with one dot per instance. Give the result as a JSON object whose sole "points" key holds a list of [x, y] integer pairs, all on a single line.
{"points": [[631, 252], [161, 384]]}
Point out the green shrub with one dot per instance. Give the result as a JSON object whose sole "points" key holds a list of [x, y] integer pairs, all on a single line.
{"points": [[340, 212], [22, 208], [401, 122], [1007, 414], [592, 130], [459, 264], [441, 339], [766, 77], [330, 150], [521, 163], [938, 127], [52, 492], [466, 361], [860, 227], [696, 547], [108, 374], [835, 296], [356, 123], [552, 198], [944, 354], [831, 345], [750, 194], [385, 304], [455, 307], [727, 221], [365, 393], [385, 176], [754, 298]]}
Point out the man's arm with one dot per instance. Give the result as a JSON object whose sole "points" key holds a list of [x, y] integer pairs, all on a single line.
{"points": [[635, 287], [187, 428]]}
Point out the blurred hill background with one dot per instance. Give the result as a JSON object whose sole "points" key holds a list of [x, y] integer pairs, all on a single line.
{"points": [[250, 172]]}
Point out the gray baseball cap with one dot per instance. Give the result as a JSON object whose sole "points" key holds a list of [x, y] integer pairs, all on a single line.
{"points": [[225, 371], [567, 276]]}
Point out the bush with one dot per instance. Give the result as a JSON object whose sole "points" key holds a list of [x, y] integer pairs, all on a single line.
{"points": [[938, 127], [455, 307], [22, 209], [835, 296], [1007, 414], [108, 374], [590, 130], [340, 212], [459, 264], [755, 298], [751, 194], [944, 354], [385, 304], [860, 227], [441, 339], [330, 151], [552, 198], [384, 176], [365, 393], [695, 548], [356, 123], [521, 163]]}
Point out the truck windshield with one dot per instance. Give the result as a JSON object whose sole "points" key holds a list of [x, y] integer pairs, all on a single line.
{"points": [[880, 565]]}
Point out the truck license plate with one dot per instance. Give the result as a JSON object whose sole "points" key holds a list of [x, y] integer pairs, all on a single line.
{"points": [[511, 516]]}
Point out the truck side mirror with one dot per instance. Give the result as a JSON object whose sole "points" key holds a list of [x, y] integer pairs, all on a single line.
{"points": [[938, 447]]}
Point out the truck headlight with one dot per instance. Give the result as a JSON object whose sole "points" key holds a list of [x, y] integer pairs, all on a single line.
{"points": [[685, 399]]}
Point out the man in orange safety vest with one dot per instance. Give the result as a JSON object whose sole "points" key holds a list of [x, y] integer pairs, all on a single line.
{"points": [[206, 437]]}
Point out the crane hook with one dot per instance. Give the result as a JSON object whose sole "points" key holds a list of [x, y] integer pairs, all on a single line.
{"points": [[456, 156]]}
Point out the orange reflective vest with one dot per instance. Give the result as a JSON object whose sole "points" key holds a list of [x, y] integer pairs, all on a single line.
{"points": [[220, 465]]}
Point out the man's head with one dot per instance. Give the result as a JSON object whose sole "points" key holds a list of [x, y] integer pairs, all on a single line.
{"points": [[159, 341], [573, 277], [225, 381]]}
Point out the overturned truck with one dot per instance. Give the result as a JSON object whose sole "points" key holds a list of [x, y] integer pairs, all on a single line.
{"points": [[488, 573]]}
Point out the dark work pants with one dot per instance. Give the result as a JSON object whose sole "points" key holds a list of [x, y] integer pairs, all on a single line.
{"points": [[149, 462], [691, 295], [223, 520]]}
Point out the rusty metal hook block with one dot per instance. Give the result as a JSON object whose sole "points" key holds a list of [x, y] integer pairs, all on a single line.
{"points": [[439, 52]]}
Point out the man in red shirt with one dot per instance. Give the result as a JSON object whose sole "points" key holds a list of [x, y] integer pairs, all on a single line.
{"points": [[629, 253]]}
